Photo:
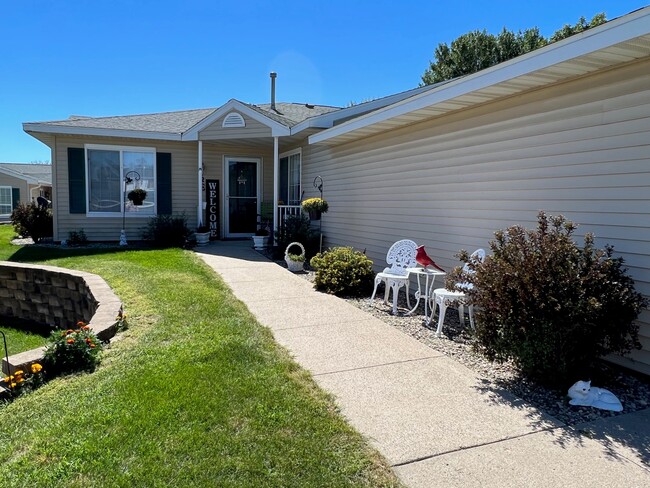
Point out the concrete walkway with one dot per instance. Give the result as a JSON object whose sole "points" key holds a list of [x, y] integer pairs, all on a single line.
{"points": [[430, 416]]}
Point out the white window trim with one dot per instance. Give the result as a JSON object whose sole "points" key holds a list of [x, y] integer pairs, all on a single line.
{"points": [[293, 152], [120, 149]]}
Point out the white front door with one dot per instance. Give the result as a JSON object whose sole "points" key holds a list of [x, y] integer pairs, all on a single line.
{"points": [[242, 195]]}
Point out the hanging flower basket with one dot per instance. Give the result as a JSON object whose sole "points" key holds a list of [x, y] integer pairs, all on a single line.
{"points": [[295, 262], [137, 196], [315, 207]]}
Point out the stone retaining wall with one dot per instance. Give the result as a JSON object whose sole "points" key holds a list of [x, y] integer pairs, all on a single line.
{"points": [[57, 297]]}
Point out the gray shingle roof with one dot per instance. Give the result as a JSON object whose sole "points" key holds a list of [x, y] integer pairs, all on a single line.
{"points": [[171, 122], [41, 172], [291, 114]]}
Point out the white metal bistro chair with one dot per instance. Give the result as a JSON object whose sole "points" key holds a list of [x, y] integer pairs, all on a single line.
{"points": [[445, 298], [401, 256]]}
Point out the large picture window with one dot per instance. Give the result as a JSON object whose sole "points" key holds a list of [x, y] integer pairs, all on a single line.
{"points": [[5, 200], [290, 178], [107, 167]]}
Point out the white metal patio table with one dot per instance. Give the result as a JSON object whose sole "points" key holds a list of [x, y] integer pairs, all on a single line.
{"points": [[426, 294]]}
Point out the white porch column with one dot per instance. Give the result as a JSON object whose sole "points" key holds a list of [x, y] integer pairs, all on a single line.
{"points": [[276, 184], [199, 210]]}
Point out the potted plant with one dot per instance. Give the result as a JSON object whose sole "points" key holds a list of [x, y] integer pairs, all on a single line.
{"points": [[261, 238], [137, 196], [202, 235], [295, 262], [314, 207]]}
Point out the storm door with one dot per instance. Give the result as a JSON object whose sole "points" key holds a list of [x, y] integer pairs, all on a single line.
{"points": [[242, 196]]}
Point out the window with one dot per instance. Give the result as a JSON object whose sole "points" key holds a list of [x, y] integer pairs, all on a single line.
{"points": [[290, 178], [107, 168], [5, 200]]}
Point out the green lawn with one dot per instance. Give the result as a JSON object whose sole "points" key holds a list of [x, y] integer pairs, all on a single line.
{"points": [[21, 336], [194, 393]]}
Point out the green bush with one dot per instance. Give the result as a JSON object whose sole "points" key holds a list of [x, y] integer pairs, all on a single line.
{"points": [[551, 306], [296, 228], [168, 230], [72, 350], [343, 271], [32, 220], [77, 238]]}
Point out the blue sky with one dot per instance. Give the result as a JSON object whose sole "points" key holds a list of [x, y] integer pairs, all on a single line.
{"points": [[119, 57]]}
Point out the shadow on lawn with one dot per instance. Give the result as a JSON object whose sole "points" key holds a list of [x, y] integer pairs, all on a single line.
{"points": [[34, 253]]}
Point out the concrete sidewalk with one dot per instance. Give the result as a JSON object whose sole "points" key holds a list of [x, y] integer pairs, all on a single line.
{"points": [[430, 416]]}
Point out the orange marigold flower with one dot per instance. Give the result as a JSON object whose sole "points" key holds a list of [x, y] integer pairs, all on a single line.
{"points": [[85, 327], [92, 346], [20, 372], [8, 378], [36, 368], [70, 341], [13, 385], [20, 380], [81, 323], [69, 331]]}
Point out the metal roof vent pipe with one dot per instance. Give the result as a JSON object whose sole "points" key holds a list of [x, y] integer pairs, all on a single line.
{"points": [[273, 76]]}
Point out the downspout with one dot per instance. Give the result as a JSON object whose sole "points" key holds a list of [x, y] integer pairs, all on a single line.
{"points": [[199, 210], [276, 183]]}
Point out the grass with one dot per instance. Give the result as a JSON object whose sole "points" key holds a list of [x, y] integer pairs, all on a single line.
{"points": [[194, 393], [21, 335]]}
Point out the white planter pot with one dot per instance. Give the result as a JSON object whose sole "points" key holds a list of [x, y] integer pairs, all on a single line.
{"points": [[260, 242], [202, 238], [295, 266]]}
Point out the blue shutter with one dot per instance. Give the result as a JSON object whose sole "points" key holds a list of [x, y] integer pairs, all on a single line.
{"points": [[77, 180], [164, 183], [15, 197]]}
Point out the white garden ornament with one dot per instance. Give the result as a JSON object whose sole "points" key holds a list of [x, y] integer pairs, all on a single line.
{"points": [[583, 394]]}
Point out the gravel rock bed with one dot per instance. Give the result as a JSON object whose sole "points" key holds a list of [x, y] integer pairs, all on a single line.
{"points": [[456, 342]]}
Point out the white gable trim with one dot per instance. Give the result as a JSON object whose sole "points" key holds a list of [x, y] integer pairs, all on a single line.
{"points": [[94, 131], [617, 31], [277, 129]]}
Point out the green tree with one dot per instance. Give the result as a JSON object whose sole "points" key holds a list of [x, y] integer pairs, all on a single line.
{"points": [[581, 25], [477, 50]]}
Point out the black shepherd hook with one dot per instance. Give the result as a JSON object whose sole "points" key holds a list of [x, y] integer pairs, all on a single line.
{"points": [[319, 186]]}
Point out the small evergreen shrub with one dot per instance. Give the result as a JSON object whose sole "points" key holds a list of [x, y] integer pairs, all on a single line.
{"points": [[296, 228], [71, 351], [343, 271], [551, 306], [77, 238], [168, 230], [32, 220]]}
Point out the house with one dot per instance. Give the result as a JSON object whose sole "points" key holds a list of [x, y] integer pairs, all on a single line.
{"points": [[21, 182], [565, 129]]}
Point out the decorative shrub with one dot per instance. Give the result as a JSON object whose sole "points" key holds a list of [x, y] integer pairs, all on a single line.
{"points": [[168, 230], [32, 220], [72, 350], [296, 228], [551, 306], [343, 271], [77, 238]]}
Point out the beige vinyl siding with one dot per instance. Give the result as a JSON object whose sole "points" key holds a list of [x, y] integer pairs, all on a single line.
{"points": [[13, 182], [184, 189], [581, 148], [253, 129]]}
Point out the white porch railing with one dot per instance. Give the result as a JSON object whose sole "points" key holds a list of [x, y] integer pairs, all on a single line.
{"points": [[285, 211]]}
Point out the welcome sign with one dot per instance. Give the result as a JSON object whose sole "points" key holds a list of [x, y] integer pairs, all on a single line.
{"points": [[212, 207]]}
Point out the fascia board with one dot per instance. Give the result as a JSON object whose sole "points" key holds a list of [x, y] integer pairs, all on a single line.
{"points": [[614, 32], [277, 129], [93, 131]]}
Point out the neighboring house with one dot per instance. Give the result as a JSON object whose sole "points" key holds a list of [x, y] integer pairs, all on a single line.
{"points": [[565, 129], [21, 182]]}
